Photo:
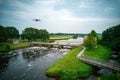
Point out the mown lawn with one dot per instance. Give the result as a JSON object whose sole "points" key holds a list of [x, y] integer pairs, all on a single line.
{"points": [[69, 67], [100, 52], [4, 47]]}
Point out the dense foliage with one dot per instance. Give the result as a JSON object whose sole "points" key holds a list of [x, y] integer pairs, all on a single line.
{"points": [[75, 36], [12, 32], [91, 40], [8, 33], [68, 34], [3, 34], [93, 33], [111, 38], [33, 34]]}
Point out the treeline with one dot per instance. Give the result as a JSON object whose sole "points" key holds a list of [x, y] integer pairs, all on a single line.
{"points": [[111, 38], [33, 34], [61, 34], [78, 34], [8, 33], [29, 34]]}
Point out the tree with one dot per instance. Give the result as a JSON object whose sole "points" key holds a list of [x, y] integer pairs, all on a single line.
{"points": [[30, 33], [93, 33], [34, 34], [43, 34], [111, 38], [3, 34], [75, 36], [12, 32], [46, 34], [91, 40]]}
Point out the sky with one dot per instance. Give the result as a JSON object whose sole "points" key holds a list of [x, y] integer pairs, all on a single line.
{"points": [[61, 16]]}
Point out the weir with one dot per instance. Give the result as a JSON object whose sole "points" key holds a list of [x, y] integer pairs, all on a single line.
{"points": [[53, 45]]}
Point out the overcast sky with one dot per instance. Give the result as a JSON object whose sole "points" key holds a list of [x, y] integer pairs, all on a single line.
{"points": [[65, 16]]}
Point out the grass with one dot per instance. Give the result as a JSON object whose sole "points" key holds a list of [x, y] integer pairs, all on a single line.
{"points": [[69, 67], [99, 36], [64, 37], [109, 77], [45, 41], [5, 47], [100, 52]]}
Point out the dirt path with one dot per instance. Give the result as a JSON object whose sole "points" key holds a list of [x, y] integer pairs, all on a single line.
{"points": [[81, 52]]}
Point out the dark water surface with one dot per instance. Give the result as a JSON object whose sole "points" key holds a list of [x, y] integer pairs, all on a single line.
{"points": [[28, 64]]}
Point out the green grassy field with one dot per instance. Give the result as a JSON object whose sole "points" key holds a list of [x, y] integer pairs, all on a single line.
{"points": [[99, 36], [69, 67], [100, 52], [5, 47], [61, 37]]}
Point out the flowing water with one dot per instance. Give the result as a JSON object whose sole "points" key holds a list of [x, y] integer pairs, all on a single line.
{"points": [[29, 63]]}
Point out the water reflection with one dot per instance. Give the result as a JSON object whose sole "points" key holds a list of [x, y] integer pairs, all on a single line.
{"points": [[29, 64], [3, 63]]}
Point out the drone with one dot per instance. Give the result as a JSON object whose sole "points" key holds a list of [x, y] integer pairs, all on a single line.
{"points": [[37, 20]]}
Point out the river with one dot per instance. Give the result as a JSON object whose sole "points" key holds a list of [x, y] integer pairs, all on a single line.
{"points": [[29, 63], [71, 41]]}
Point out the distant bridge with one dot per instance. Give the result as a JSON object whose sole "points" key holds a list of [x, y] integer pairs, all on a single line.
{"points": [[98, 63], [53, 45]]}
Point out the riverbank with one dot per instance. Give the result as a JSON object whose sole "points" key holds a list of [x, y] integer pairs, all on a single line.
{"points": [[115, 76], [100, 52], [104, 54], [6, 47], [29, 63], [69, 67]]}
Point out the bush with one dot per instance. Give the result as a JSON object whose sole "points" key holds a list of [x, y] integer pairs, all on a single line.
{"points": [[111, 38], [8, 47], [90, 41], [75, 36]]}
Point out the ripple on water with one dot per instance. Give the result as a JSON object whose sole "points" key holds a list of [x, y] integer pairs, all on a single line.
{"points": [[30, 66]]}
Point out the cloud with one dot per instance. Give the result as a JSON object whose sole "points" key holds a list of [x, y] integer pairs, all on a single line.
{"points": [[84, 4], [1, 1], [61, 20], [89, 3], [108, 10]]}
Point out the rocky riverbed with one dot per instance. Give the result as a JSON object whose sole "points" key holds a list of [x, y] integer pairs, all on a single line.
{"points": [[29, 63]]}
